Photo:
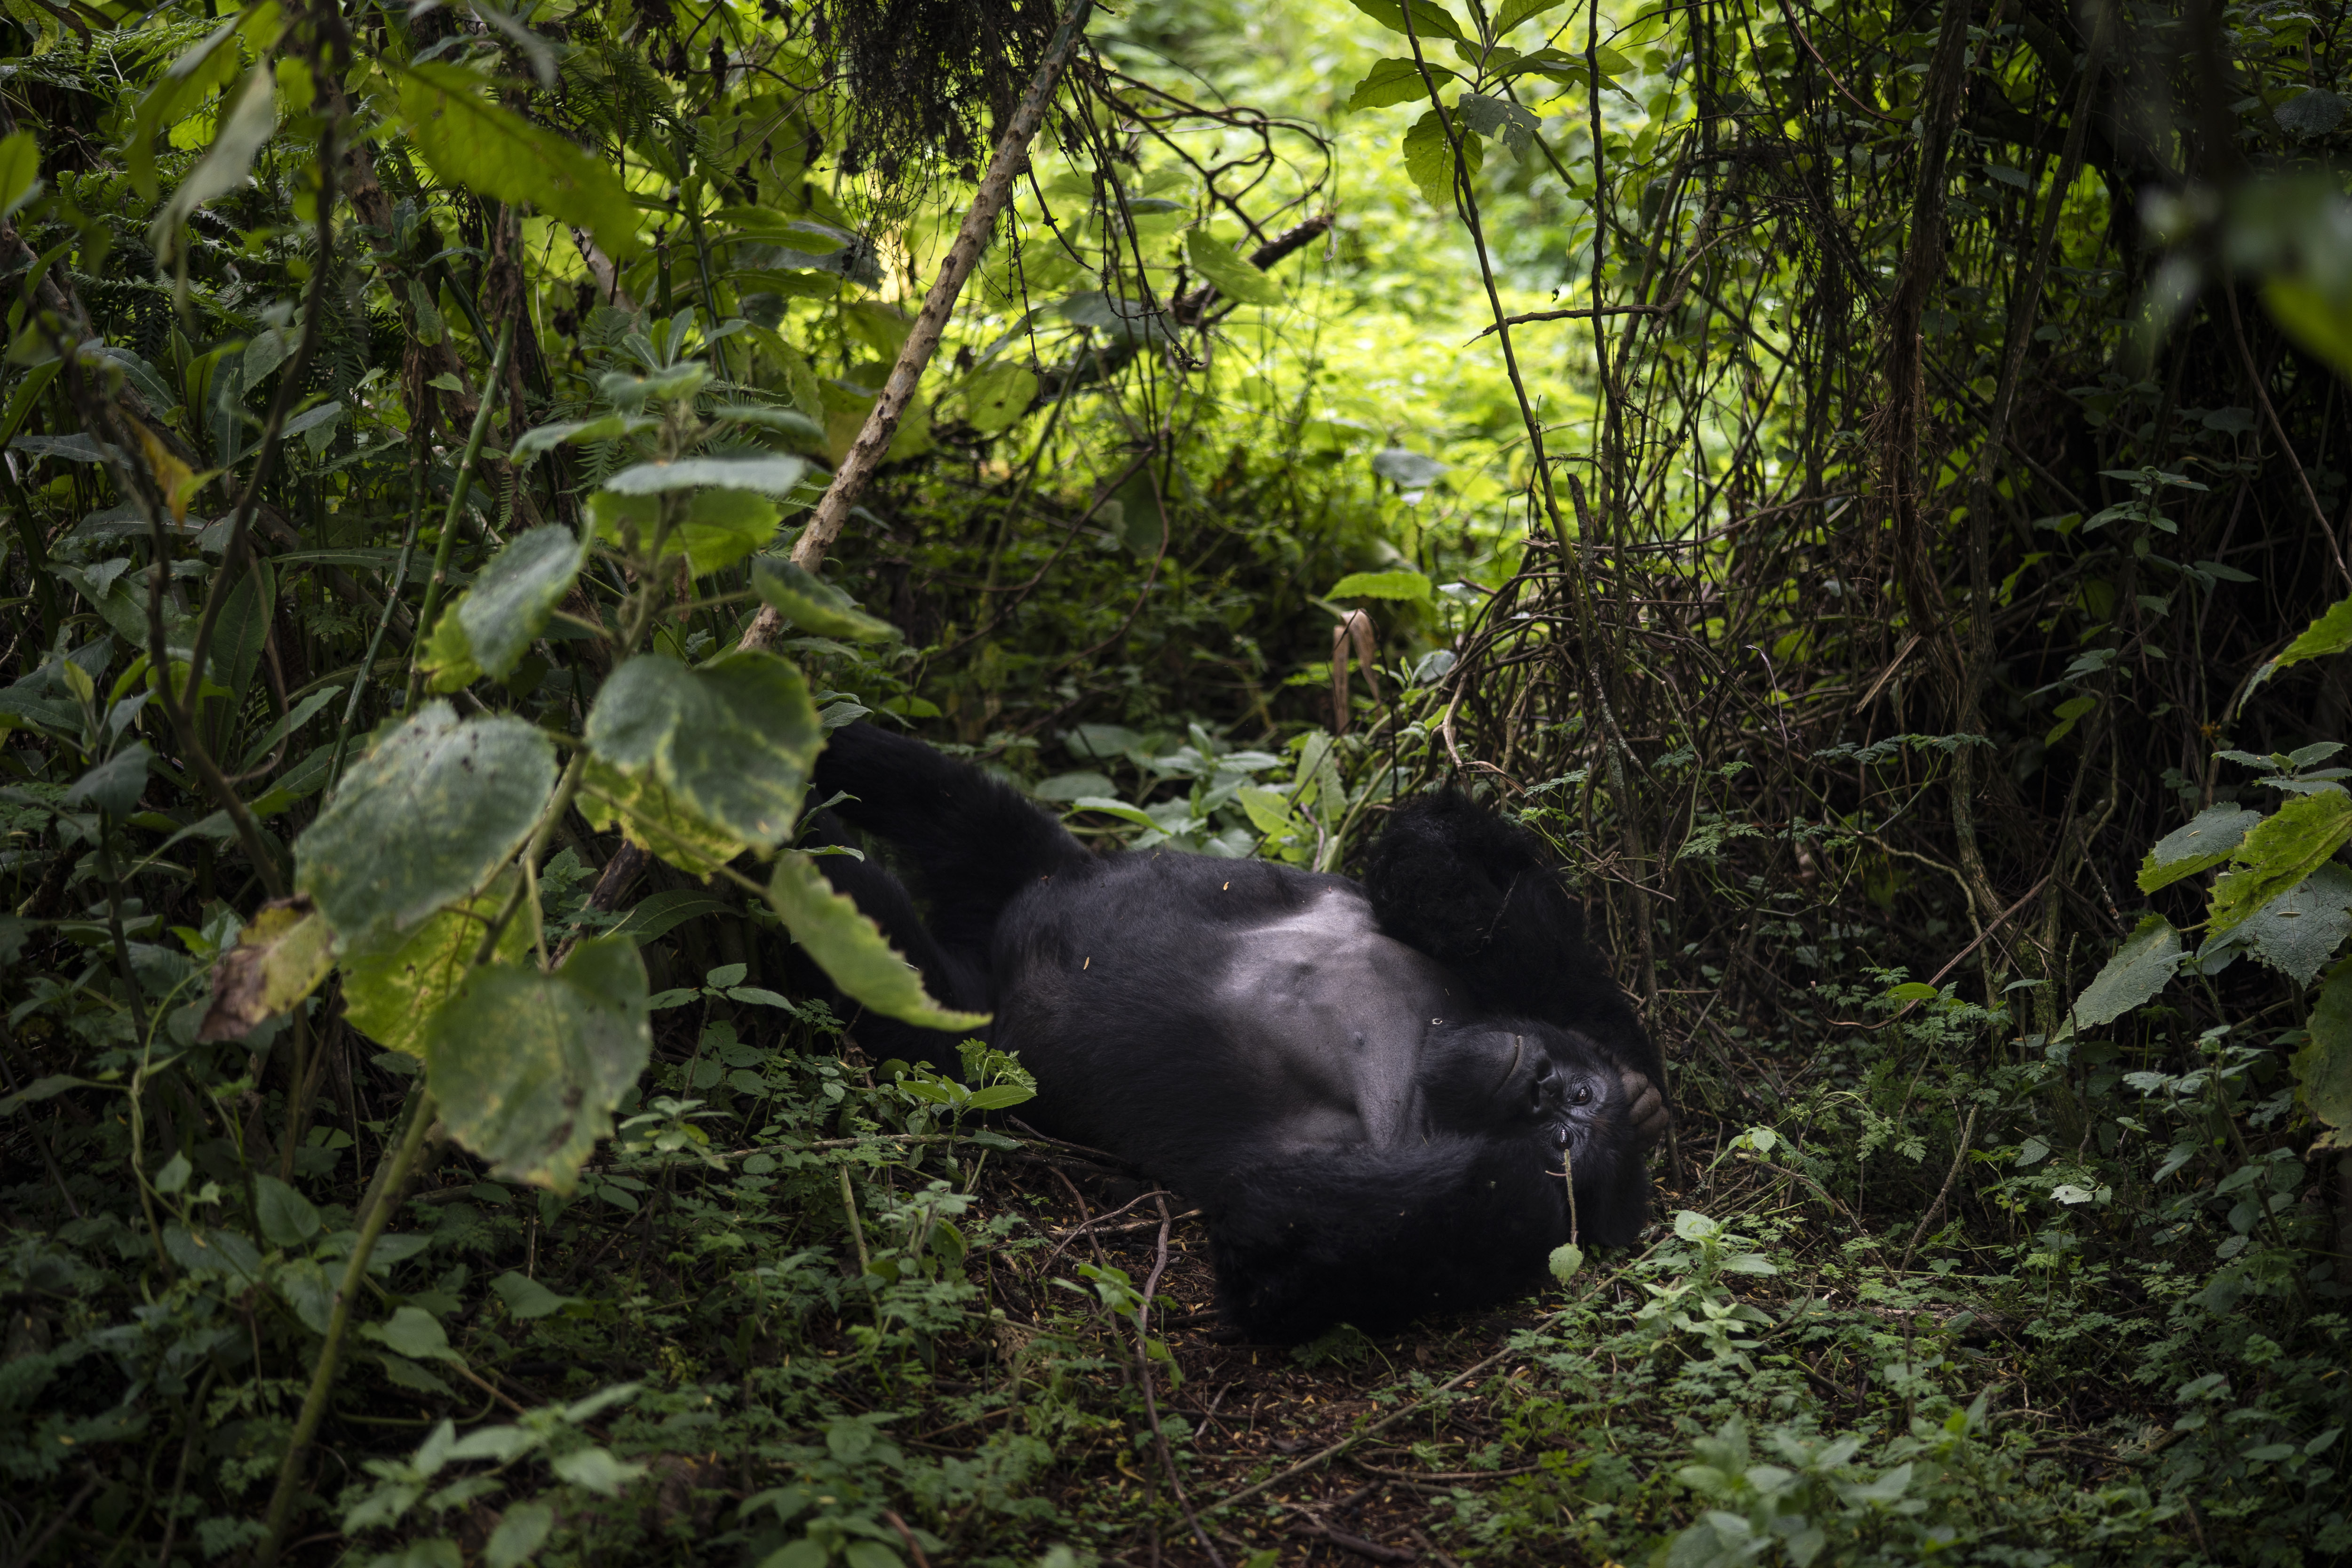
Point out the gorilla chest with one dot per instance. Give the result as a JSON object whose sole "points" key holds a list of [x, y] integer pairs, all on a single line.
{"points": [[1323, 1016]]}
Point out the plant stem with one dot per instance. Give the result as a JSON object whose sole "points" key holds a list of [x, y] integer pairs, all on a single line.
{"points": [[417, 470], [458, 489], [382, 1199]]}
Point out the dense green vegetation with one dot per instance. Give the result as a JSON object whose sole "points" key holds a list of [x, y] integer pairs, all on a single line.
{"points": [[1870, 487]]}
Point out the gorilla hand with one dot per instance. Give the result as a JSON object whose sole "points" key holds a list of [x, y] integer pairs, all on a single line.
{"points": [[1649, 1107]]}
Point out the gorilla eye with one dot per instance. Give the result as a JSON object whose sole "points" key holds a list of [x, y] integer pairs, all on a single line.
{"points": [[1582, 1097]]}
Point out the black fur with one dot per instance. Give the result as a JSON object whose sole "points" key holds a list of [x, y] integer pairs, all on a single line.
{"points": [[1370, 1096]]}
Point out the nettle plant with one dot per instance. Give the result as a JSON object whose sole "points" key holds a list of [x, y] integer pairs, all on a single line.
{"points": [[420, 879], [2280, 896]]}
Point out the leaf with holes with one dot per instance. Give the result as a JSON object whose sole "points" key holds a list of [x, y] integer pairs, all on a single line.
{"points": [[527, 1065], [2277, 854], [729, 744], [423, 820], [279, 958]]}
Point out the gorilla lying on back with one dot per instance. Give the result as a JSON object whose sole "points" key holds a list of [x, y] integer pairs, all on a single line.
{"points": [[1367, 1088]]}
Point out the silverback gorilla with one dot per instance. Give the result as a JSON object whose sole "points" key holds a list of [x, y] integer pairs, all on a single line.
{"points": [[1368, 1088]]}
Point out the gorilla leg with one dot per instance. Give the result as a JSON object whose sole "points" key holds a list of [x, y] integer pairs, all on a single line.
{"points": [[1461, 884], [976, 842]]}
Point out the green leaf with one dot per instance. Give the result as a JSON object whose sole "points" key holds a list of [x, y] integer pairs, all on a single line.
{"points": [[114, 784], [2316, 317], [414, 1332], [1000, 1096], [287, 1218], [199, 72], [2138, 972], [2322, 1068], [1515, 11], [1566, 1260], [1269, 811], [2331, 633], [510, 603], [720, 527], [730, 743], [389, 993], [547, 438], [522, 1531], [815, 605], [595, 1469], [774, 473], [2206, 841], [1233, 273], [529, 1299], [851, 949], [244, 127], [654, 819], [277, 960], [527, 1065], [1109, 806], [1429, 20], [20, 171], [997, 395], [2297, 933], [1381, 585], [2279, 853], [473, 142], [1394, 80], [423, 820], [1429, 159], [449, 654]]}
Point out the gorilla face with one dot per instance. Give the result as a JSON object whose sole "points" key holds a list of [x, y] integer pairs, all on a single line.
{"points": [[1552, 1093]]}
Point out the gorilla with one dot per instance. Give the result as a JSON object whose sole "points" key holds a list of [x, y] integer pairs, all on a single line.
{"points": [[1378, 1094]]}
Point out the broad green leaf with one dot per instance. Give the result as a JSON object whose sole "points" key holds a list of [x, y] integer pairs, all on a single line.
{"points": [[510, 603], [2331, 633], [1110, 806], [1000, 1096], [414, 1332], [720, 526], [1498, 117], [1566, 1260], [2206, 841], [526, 1298], [775, 473], [2315, 316], [1381, 585], [1269, 812], [547, 438], [287, 1218], [650, 817], [527, 1067], [423, 820], [389, 993], [1429, 159], [1395, 82], [813, 604], [1515, 11], [1233, 273], [2298, 932], [730, 742], [1429, 20], [788, 421], [596, 1470], [2278, 853], [474, 142], [851, 949], [996, 398], [205, 67], [523, 1530], [2138, 972], [20, 172], [243, 129], [279, 958], [113, 785], [2322, 1068]]}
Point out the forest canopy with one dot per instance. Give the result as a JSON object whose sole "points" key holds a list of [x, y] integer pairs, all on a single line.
{"points": [[1860, 483]]}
